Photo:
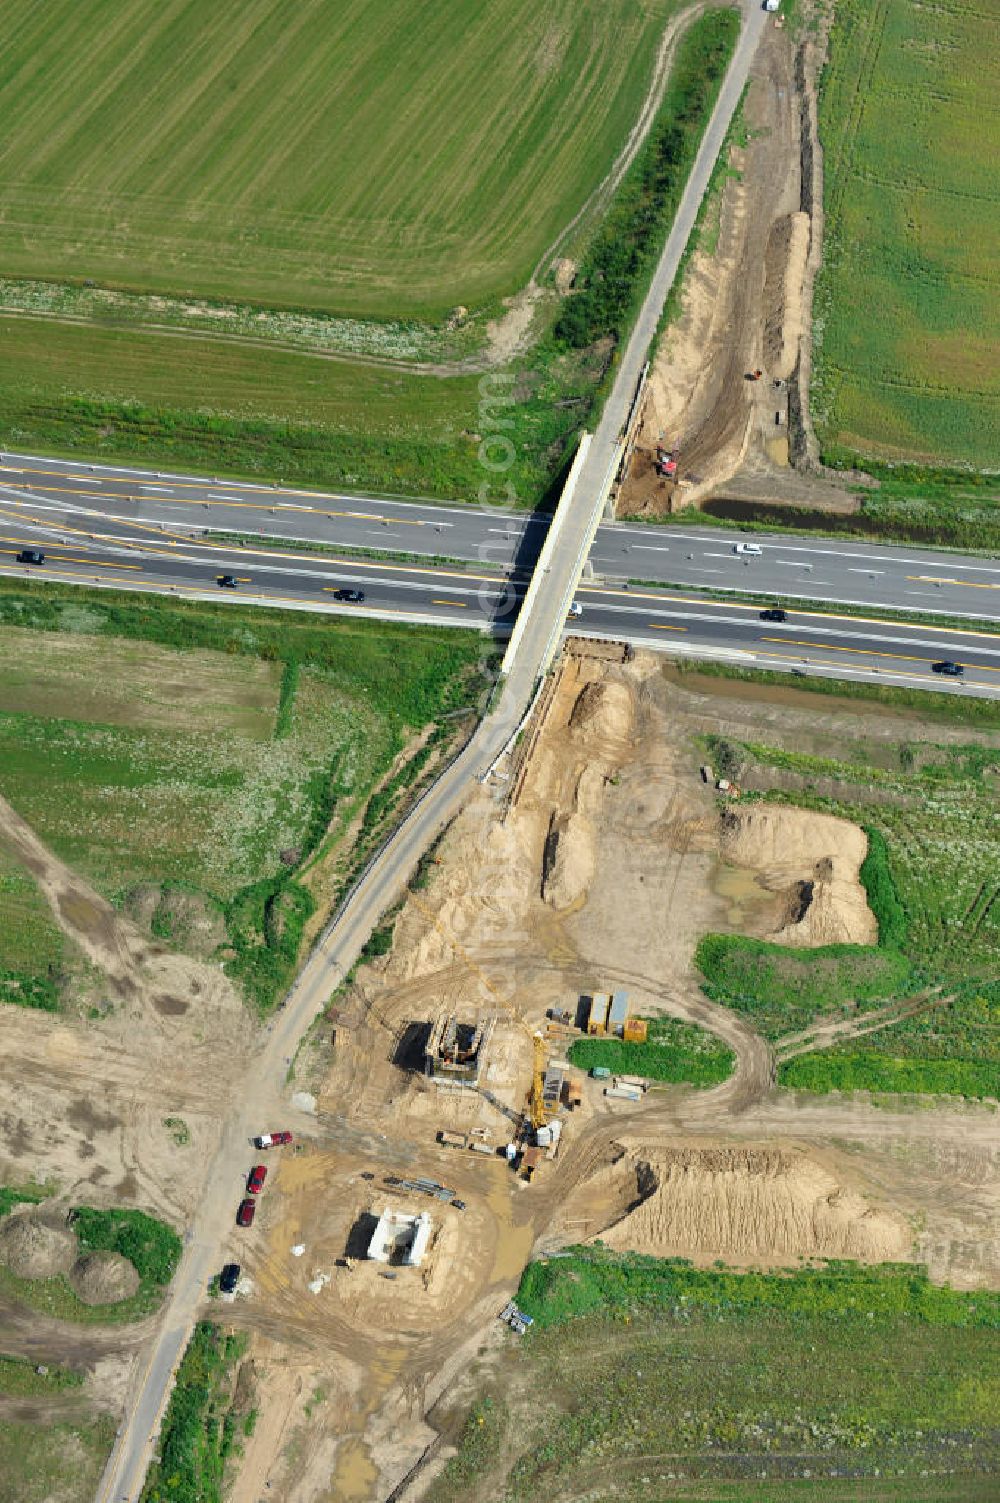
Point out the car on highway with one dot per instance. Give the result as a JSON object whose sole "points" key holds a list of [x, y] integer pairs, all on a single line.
{"points": [[246, 1212], [227, 581], [751, 548], [272, 1139], [229, 1278], [948, 668], [257, 1176], [352, 597], [31, 556], [774, 613]]}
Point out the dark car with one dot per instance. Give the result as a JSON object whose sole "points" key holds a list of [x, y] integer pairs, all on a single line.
{"points": [[227, 581], [229, 1278], [246, 1212], [775, 613], [353, 597], [31, 556], [258, 1174], [948, 668]]}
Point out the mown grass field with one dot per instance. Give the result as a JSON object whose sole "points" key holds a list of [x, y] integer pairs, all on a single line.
{"points": [[907, 306], [37, 960], [204, 751], [935, 890], [646, 1379], [108, 387], [59, 1463], [382, 156]]}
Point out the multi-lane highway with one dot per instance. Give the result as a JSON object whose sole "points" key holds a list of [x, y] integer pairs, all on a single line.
{"points": [[63, 493], [145, 556]]}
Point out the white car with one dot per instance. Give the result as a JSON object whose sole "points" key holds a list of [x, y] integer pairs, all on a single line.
{"points": [[575, 611], [752, 548]]}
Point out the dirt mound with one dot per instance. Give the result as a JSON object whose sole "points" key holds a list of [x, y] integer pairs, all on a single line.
{"points": [[814, 859], [785, 260], [103, 1278], [751, 1205], [36, 1248], [569, 861], [186, 920], [604, 708]]}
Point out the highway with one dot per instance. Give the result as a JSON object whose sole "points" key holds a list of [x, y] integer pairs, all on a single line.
{"points": [[127, 555], [877, 575]]}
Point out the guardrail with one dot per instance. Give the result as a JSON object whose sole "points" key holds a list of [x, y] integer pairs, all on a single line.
{"points": [[544, 563]]}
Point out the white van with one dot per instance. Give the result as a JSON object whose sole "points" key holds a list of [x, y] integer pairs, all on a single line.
{"points": [[753, 548]]}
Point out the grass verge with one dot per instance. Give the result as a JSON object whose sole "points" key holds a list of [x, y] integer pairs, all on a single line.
{"points": [[674, 1051], [649, 1379], [199, 1430]]}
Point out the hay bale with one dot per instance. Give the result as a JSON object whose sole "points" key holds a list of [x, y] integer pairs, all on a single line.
{"points": [[103, 1278], [36, 1247]]}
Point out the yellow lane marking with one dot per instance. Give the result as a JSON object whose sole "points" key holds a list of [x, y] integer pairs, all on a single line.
{"points": [[665, 599], [658, 626], [90, 563], [783, 657], [966, 584], [864, 652], [462, 605], [183, 539], [237, 503]]}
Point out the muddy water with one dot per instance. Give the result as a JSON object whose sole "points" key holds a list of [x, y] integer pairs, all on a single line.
{"points": [[741, 892], [355, 1473], [514, 1241]]}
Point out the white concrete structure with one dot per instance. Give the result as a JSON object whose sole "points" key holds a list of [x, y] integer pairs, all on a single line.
{"points": [[400, 1238]]}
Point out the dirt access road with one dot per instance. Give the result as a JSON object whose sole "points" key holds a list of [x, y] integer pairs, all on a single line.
{"points": [[611, 848]]}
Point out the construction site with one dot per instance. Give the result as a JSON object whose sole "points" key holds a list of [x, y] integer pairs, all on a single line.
{"points": [[451, 1136]]}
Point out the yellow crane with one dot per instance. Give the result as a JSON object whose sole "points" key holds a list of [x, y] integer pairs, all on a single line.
{"points": [[537, 1114]]}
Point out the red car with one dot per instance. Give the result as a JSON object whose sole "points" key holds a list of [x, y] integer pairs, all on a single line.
{"points": [[272, 1139], [258, 1174], [246, 1212]]}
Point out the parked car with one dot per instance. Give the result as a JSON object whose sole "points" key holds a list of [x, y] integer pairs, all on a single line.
{"points": [[948, 668], [227, 581], [31, 556], [246, 1213], [775, 613], [272, 1139], [352, 597], [229, 1278], [255, 1182], [575, 611]]}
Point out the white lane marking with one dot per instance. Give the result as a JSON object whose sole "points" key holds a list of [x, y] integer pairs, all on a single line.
{"points": [[167, 489], [845, 551], [872, 572], [648, 548]]}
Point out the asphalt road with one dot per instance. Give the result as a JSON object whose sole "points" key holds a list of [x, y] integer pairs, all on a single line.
{"points": [[681, 623], [879, 575]]}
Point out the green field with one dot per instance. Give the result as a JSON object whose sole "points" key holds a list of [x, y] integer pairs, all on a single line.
{"points": [[107, 380], [205, 752], [674, 1051], [37, 961], [202, 1421], [645, 1379], [59, 1463], [907, 310], [377, 156], [936, 893]]}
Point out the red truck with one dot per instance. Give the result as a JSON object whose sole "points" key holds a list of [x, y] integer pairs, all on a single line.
{"points": [[272, 1139]]}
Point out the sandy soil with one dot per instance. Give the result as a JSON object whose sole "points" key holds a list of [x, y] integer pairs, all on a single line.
{"points": [[741, 1171], [346, 1363], [744, 307]]}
